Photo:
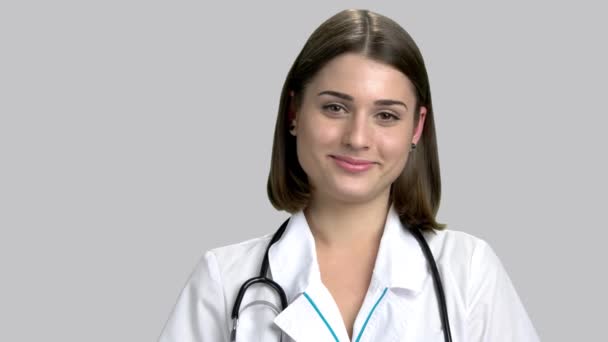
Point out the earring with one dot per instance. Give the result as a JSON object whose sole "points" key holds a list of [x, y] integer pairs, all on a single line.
{"points": [[413, 147], [292, 128]]}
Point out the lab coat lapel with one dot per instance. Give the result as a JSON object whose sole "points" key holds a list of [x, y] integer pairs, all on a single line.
{"points": [[313, 316], [400, 262], [293, 264], [401, 268], [392, 320], [293, 259]]}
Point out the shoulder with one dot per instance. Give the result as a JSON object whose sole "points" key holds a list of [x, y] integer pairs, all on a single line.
{"points": [[454, 245], [240, 249], [468, 260], [465, 256], [210, 291], [221, 264], [240, 257], [477, 281], [233, 264]]}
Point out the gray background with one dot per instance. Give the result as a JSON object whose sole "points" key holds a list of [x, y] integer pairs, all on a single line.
{"points": [[135, 135]]}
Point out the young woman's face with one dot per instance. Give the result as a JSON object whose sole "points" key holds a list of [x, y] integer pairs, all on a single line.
{"points": [[355, 127]]}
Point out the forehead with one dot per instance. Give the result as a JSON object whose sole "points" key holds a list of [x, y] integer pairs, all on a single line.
{"points": [[363, 78]]}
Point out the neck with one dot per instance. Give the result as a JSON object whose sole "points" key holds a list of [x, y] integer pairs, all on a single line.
{"points": [[343, 225]]}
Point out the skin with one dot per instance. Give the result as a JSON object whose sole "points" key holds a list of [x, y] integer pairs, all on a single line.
{"points": [[347, 210]]}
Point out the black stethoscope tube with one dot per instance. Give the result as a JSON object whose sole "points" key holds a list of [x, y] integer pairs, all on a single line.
{"points": [[263, 279], [443, 307]]}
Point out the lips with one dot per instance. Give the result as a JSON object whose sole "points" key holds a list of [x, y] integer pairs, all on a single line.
{"points": [[352, 160], [352, 165]]}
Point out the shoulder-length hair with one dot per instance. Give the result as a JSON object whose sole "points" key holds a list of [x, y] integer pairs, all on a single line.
{"points": [[415, 194]]}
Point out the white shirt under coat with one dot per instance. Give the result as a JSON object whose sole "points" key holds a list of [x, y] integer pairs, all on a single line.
{"points": [[400, 304]]}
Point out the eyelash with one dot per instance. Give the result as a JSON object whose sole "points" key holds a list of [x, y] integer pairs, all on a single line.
{"points": [[393, 117], [327, 107]]}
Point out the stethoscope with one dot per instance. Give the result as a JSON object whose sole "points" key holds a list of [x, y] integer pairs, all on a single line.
{"points": [[263, 279]]}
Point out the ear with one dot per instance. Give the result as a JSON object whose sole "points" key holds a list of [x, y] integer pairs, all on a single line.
{"points": [[292, 115], [420, 126]]}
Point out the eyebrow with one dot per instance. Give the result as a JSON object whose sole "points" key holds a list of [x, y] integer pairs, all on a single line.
{"points": [[383, 102]]}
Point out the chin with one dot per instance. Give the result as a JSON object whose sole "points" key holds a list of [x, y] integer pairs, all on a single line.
{"points": [[353, 195]]}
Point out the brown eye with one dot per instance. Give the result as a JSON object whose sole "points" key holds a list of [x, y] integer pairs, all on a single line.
{"points": [[386, 116], [333, 108]]}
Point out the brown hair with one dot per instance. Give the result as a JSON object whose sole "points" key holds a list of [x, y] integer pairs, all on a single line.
{"points": [[415, 194]]}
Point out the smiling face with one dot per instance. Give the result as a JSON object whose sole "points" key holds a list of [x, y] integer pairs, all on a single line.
{"points": [[355, 127]]}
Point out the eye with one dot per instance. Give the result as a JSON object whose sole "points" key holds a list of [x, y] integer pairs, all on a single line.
{"points": [[333, 108], [386, 116]]}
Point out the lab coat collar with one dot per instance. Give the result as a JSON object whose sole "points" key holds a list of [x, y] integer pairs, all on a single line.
{"points": [[400, 262], [293, 264], [293, 259]]}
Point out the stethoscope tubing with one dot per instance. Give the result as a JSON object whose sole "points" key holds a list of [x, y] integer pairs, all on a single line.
{"points": [[443, 307], [263, 279]]}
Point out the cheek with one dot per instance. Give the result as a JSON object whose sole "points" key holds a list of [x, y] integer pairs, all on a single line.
{"points": [[395, 147], [319, 133]]}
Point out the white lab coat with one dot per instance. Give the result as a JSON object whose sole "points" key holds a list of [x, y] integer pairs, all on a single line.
{"points": [[400, 304]]}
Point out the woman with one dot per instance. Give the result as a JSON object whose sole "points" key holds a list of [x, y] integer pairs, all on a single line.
{"points": [[355, 162]]}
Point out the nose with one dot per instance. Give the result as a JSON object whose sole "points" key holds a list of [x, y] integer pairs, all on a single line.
{"points": [[357, 133]]}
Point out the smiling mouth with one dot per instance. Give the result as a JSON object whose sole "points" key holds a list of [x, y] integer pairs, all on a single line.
{"points": [[352, 161], [352, 165]]}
